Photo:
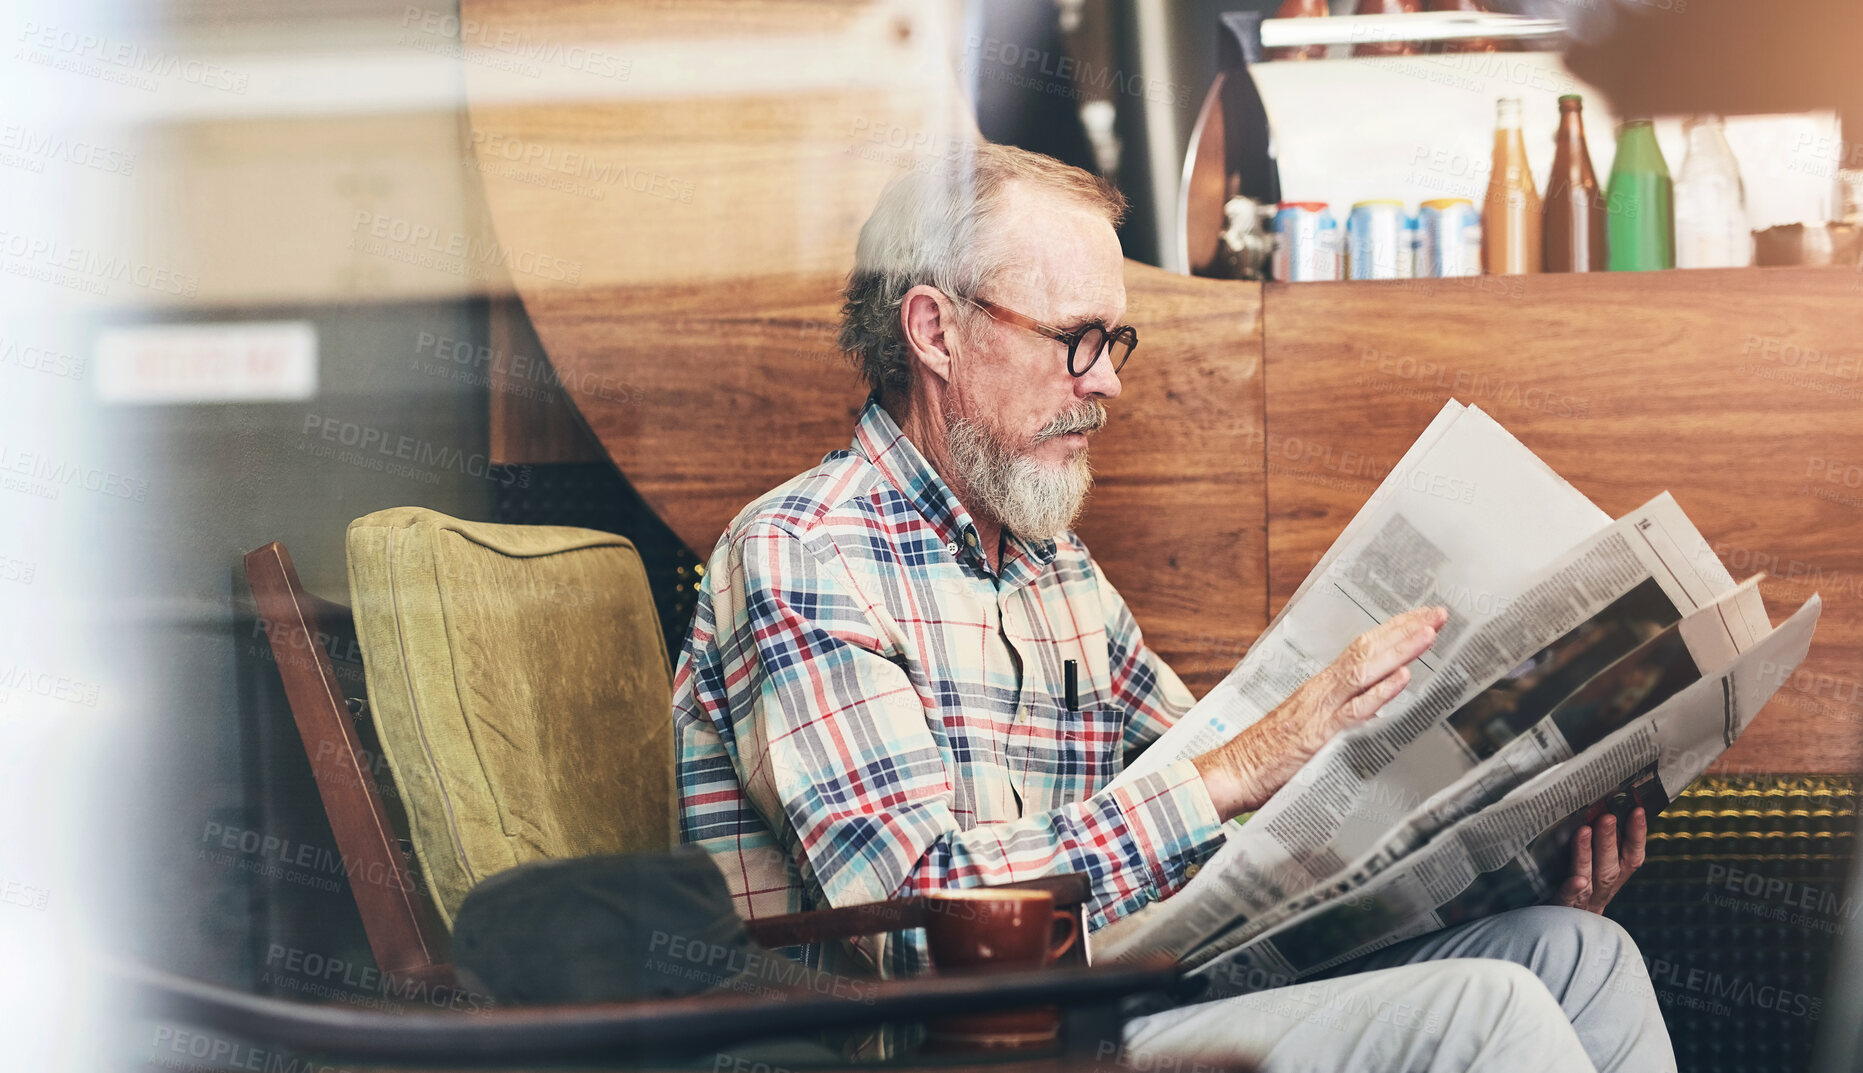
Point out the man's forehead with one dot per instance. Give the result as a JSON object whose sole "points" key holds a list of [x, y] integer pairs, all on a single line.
{"points": [[1062, 288], [1063, 257]]}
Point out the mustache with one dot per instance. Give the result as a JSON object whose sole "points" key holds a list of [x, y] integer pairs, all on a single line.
{"points": [[1089, 417]]}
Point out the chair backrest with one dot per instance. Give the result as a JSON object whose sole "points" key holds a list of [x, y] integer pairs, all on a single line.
{"points": [[407, 941], [521, 689]]}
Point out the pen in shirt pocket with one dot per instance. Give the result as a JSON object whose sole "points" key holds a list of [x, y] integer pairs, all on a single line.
{"points": [[1071, 676]]}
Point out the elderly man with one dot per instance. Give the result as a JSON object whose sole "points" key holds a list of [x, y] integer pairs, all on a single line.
{"points": [[869, 705]]}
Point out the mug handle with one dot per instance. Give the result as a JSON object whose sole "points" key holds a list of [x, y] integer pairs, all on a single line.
{"points": [[1071, 919]]}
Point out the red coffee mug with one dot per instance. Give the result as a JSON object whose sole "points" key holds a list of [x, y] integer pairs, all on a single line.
{"points": [[978, 930]]}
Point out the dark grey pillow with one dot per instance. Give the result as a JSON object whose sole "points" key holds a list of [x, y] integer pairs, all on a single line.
{"points": [[618, 928]]}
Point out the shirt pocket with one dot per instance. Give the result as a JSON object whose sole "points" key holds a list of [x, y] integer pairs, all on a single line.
{"points": [[1061, 757]]}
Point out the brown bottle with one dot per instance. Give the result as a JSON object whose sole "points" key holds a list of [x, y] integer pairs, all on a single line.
{"points": [[1387, 7], [1510, 215], [1300, 9], [1573, 216], [1474, 44]]}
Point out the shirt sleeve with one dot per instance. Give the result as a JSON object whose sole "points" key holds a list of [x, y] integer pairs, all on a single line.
{"points": [[1142, 683], [835, 745]]}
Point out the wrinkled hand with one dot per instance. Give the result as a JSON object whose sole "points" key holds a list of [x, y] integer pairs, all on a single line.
{"points": [[1600, 866], [1244, 772]]}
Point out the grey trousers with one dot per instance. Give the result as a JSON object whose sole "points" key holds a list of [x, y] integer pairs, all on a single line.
{"points": [[1545, 988]]}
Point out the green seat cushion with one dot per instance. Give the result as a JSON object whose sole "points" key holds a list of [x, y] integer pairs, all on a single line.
{"points": [[520, 688]]}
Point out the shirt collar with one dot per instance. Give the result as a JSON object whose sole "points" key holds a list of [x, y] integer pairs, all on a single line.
{"points": [[878, 439]]}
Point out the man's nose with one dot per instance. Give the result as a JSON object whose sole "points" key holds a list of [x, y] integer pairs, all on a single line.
{"points": [[1100, 380]]}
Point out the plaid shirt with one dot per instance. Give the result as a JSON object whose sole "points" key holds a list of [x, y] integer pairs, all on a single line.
{"points": [[865, 710]]}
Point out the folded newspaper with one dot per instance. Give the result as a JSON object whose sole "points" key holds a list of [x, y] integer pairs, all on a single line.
{"points": [[1586, 665]]}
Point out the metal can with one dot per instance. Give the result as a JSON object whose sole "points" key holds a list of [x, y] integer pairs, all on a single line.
{"points": [[1407, 253], [1376, 240], [1449, 239], [1306, 242]]}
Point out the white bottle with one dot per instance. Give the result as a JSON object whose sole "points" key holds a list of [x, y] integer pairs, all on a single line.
{"points": [[1711, 229]]}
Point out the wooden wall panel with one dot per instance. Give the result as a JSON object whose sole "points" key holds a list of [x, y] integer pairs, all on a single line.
{"points": [[1178, 518], [532, 421], [697, 339], [1737, 390], [733, 139]]}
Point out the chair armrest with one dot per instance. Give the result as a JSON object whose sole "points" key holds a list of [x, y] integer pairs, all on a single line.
{"points": [[665, 1029], [848, 922]]}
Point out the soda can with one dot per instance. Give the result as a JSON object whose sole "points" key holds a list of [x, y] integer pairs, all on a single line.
{"points": [[1376, 239], [1449, 238], [1306, 242], [1407, 253]]}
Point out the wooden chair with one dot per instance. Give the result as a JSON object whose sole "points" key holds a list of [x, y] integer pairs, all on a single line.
{"points": [[410, 943], [402, 929]]}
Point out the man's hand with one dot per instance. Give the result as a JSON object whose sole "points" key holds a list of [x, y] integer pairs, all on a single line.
{"points": [[1600, 867], [1245, 771]]}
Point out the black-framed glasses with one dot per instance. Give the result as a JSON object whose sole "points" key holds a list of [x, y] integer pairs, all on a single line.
{"points": [[1092, 339]]}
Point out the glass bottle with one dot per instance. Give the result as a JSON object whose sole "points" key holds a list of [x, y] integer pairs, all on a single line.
{"points": [[1711, 229], [1386, 7], [1640, 202], [1510, 215], [1300, 9], [1572, 220]]}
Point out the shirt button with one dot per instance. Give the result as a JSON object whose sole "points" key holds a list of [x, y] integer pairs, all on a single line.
{"points": [[1191, 872], [971, 539], [951, 547]]}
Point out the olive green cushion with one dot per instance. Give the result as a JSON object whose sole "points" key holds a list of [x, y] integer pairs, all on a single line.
{"points": [[521, 691]]}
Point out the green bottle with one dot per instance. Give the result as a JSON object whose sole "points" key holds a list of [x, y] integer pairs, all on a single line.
{"points": [[1641, 203]]}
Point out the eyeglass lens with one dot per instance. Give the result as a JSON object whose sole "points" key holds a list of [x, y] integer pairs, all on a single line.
{"points": [[1091, 342]]}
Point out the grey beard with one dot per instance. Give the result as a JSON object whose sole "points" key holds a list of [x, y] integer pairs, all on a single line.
{"points": [[1029, 499]]}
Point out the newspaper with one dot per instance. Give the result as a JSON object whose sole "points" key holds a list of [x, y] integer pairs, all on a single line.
{"points": [[1565, 629], [1516, 852]]}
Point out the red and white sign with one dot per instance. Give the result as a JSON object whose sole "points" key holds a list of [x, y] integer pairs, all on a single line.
{"points": [[254, 361]]}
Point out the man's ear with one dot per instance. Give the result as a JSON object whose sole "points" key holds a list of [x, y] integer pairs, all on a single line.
{"points": [[928, 319]]}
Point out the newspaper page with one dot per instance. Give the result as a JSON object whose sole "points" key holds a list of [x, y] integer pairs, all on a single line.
{"points": [[1518, 852], [1704, 643], [1603, 597], [1467, 513], [1587, 709]]}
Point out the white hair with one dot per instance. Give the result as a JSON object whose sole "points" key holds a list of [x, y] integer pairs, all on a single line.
{"points": [[933, 226]]}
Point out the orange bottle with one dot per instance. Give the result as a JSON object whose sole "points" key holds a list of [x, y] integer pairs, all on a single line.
{"points": [[1510, 215]]}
